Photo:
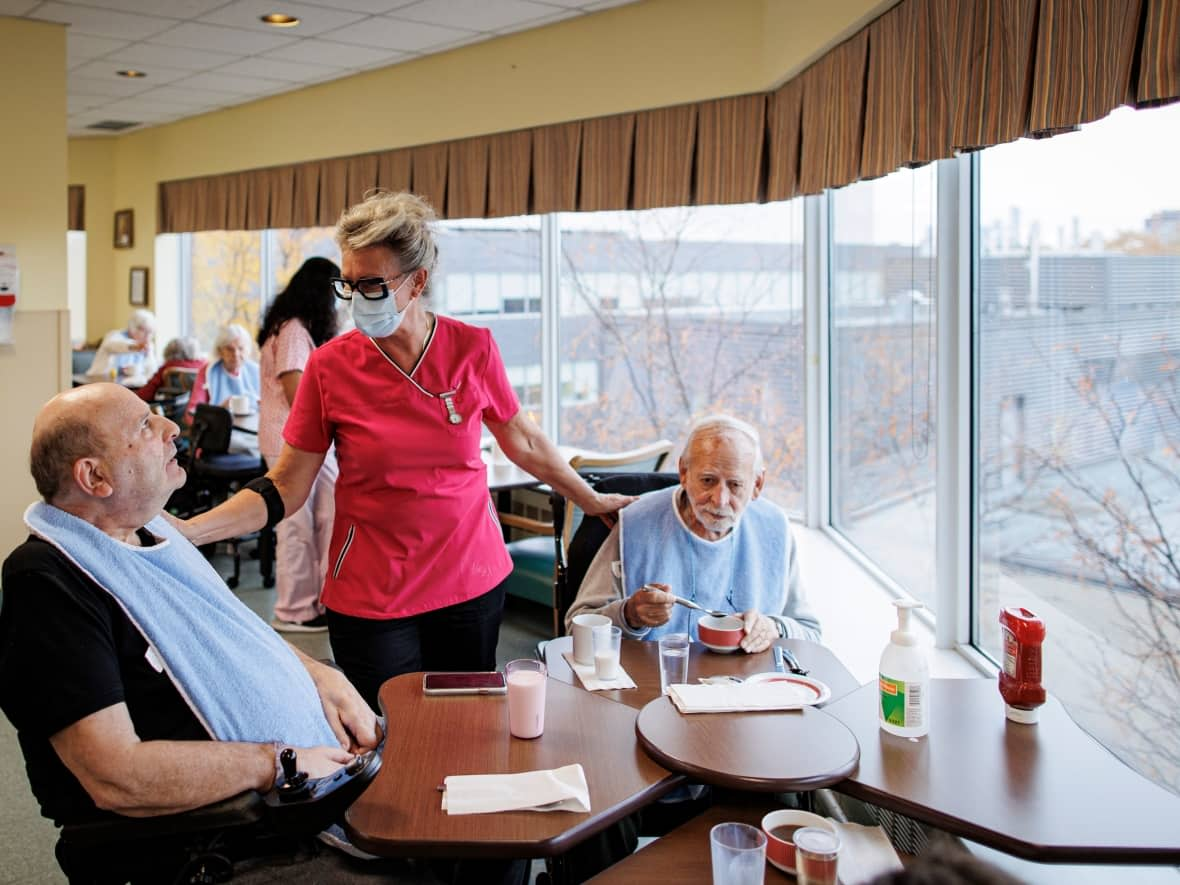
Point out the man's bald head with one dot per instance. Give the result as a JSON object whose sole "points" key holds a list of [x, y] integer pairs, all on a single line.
{"points": [[68, 428]]}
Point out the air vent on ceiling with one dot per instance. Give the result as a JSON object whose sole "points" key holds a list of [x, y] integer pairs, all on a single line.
{"points": [[113, 125]]}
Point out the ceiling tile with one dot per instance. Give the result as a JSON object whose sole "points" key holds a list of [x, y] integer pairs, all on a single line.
{"points": [[313, 19], [390, 33], [116, 87], [103, 22], [149, 55], [193, 35], [603, 4], [326, 52], [105, 69], [18, 7], [235, 85], [139, 108], [77, 103], [178, 9], [187, 97], [276, 69], [372, 7], [84, 47], [478, 15], [86, 118], [557, 15]]}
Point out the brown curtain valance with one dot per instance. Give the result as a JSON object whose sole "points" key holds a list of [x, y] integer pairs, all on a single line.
{"points": [[925, 79], [76, 207]]}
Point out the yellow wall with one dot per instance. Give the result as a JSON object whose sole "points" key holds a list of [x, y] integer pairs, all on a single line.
{"points": [[33, 221], [649, 54]]}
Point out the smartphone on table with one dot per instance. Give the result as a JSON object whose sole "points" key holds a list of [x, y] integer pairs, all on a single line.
{"points": [[481, 682]]}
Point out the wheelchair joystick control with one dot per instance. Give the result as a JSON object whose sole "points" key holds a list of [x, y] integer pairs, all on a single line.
{"points": [[294, 785]]}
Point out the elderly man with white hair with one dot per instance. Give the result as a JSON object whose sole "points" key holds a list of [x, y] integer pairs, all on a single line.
{"points": [[231, 374], [127, 353], [711, 539]]}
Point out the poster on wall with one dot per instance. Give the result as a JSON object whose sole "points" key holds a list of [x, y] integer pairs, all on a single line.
{"points": [[9, 285]]}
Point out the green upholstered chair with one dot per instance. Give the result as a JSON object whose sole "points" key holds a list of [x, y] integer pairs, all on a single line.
{"points": [[534, 558]]}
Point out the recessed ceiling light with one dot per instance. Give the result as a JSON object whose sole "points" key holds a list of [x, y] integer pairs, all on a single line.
{"points": [[279, 20], [131, 72]]}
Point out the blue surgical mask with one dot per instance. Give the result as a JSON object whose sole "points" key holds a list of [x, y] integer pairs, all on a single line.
{"points": [[379, 319]]}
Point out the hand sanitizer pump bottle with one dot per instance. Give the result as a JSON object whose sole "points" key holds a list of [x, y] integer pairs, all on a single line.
{"points": [[904, 706]]}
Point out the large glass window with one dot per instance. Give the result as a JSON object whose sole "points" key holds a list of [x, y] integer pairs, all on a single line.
{"points": [[669, 314], [225, 282], [883, 372], [489, 274], [1078, 416]]}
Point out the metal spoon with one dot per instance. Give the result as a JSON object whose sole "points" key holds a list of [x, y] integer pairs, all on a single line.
{"points": [[688, 603]]}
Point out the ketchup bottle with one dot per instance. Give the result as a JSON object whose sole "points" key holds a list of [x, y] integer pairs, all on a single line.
{"points": [[1020, 679]]}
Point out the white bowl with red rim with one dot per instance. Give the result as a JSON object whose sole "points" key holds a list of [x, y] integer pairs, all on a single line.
{"points": [[779, 826], [722, 635]]}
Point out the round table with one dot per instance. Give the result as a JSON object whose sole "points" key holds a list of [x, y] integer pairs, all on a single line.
{"points": [[767, 752]]}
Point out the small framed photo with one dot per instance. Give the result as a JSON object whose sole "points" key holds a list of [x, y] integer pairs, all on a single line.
{"points": [[139, 286], [124, 228]]}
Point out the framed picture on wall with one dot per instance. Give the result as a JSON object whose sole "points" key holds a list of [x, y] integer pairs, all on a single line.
{"points": [[139, 286], [124, 228]]}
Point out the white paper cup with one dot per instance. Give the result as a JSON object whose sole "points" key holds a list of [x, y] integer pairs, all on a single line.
{"points": [[239, 404], [583, 633]]}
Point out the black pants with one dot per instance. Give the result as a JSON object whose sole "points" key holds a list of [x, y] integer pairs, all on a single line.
{"points": [[458, 637]]}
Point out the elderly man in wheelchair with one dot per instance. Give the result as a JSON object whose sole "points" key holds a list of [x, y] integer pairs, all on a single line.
{"points": [[139, 686]]}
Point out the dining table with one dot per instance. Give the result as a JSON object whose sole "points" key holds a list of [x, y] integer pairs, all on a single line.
{"points": [[433, 737]]}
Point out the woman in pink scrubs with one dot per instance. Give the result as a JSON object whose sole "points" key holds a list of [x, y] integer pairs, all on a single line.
{"points": [[417, 556]]}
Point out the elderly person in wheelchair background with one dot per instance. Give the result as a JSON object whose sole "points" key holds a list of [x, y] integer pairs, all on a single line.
{"points": [[137, 682], [711, 539], [232, 372]]}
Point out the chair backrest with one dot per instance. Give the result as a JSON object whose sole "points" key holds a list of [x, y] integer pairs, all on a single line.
{"points": [[211, 430], [176, 380], [645, 459], [573, 559]]}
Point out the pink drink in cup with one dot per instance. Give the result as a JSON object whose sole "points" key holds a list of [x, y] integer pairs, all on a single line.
{"points": [[526, 697]]}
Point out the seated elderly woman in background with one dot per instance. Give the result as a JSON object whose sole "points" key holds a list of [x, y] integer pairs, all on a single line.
{"points": [[232, 373], [179, 353], [127, 352]]}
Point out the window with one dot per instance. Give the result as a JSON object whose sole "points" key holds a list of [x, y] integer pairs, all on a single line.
{"points": [[225, 282], [683, 312], [884, 367], [489, 274], [1078, 414]]}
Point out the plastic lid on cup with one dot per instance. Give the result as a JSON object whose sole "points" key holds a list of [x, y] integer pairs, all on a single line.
{"points": [[817, 842]]}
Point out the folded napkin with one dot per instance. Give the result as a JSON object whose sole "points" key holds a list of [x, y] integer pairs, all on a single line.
{"points": [[865, 853], [737, 698], [590, 682], [558, 789]]}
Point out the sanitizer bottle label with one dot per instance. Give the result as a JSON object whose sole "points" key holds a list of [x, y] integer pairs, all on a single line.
{"points": [[901, 702]]}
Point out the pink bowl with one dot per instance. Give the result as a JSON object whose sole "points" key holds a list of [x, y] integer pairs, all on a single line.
{"points": [[723, 632]]}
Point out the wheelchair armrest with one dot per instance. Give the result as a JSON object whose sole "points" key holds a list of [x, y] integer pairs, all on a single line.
{"points": [[240, 810], [306, 806]]}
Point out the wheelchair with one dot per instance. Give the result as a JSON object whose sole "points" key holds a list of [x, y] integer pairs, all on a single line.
{"points": [[201, 846]]}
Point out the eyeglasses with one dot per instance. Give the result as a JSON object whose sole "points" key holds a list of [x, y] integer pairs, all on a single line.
{"points": [[369, 288]]}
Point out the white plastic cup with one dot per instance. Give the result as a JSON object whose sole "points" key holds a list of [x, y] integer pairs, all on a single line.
{"points": [[239, 404], [526, 697], [673, 660], [739, 854], [607, 643], [583, 633]]}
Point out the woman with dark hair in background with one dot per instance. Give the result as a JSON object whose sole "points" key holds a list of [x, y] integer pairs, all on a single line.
{"points": [[300, 319]]}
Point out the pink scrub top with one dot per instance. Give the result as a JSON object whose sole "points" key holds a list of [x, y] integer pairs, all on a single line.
{"points": [[415, 526]]}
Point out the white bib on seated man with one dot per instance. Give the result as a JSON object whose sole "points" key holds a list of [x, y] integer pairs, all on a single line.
{"points": [[712, 540]]}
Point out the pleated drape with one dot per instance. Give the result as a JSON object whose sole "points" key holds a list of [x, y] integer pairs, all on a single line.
{"points": [[605, 179], [924, 80], [555, 167], [664, 142]]}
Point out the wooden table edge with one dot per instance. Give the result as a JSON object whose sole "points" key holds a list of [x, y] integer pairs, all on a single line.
{"points": [[551, 847], [1031, 851], [738, 782]]}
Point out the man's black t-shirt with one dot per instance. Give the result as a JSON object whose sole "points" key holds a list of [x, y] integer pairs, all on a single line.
{"points": [[67, 650]]}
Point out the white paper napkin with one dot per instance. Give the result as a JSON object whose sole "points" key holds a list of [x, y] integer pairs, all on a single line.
{"points": [[738, 698], [558, 789], [590, 682]]}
